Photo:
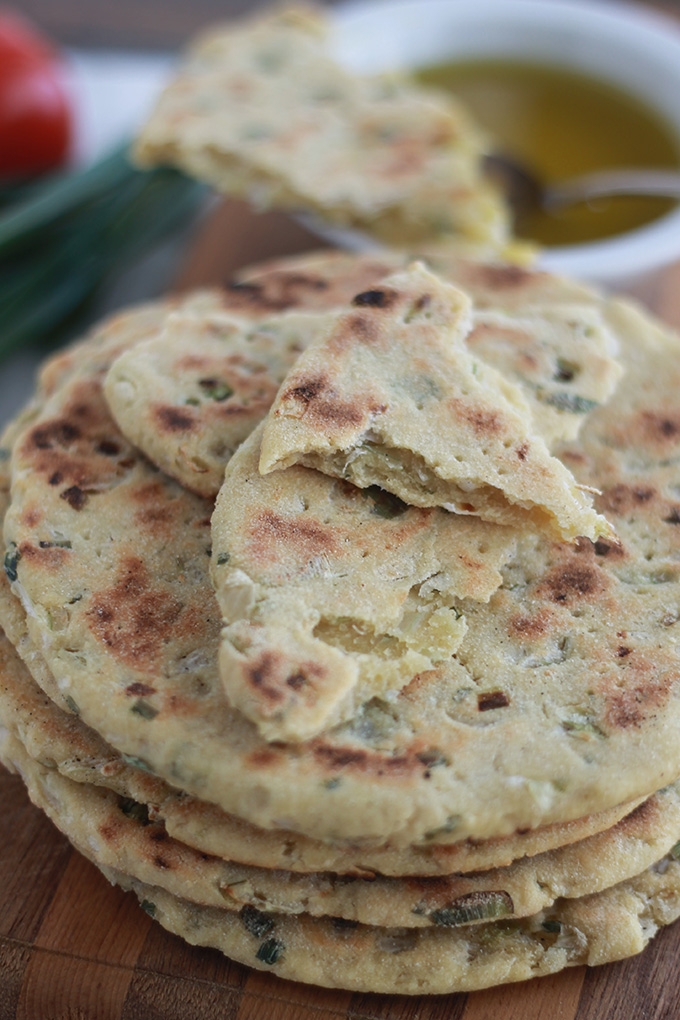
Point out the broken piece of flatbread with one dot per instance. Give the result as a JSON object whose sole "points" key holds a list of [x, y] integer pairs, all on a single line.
{"points": [[207, 372], [391, 396], [332, 595], [191, 394], [261, 110], [556, 338]]}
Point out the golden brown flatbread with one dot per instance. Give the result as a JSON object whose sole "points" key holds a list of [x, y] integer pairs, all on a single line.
{"points": [[390, 396]]}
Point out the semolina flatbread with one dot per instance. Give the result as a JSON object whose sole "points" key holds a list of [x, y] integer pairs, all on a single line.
{"points": [[562, 701], [390, 396], [442, 956], [47, 732], [59, 740], [526, 322], [329, 278], [261, 109], [116, 334], [562, 357], [116, 832], [188, 394], [333, 595], [597, 929], [551, 335]]}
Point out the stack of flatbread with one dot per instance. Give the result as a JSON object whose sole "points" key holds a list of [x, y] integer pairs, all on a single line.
{"points": [[341, 614]]}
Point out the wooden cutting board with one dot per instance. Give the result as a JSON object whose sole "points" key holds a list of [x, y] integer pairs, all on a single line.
{"points": [[74, 948]]}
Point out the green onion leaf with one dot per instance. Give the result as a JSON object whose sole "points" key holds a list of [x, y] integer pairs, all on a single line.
{"points": [[61, 238]]}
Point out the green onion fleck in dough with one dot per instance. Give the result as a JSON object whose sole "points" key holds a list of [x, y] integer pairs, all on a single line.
{"points": [[144, 709], [570, 402], [479, 906], [12, 557], [216, 389], [270, 952]]}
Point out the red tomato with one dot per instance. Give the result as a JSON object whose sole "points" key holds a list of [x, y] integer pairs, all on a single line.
{"points": [[35, 116]]}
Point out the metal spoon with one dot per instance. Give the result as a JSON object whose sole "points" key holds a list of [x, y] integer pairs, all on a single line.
{"points": [[525, 192]]}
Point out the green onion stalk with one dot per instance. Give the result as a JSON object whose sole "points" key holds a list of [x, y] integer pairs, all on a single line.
{"points": [[61, 238]]}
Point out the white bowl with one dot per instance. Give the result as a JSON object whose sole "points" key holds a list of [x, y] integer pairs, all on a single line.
{"points": [[623, 44]]}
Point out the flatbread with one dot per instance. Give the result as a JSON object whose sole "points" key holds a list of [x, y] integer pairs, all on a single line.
{"points": [[170, 393], [389, 395], [117, 333], [586, 713], [116, 832], [333, 596], [61, 741], [261, 109], [328, 278], [598, 929], [547, 333], [190, 395], [562, 357], [80, 754]]}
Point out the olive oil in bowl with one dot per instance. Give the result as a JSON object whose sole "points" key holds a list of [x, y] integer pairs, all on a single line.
{"points": [[560, 124]]}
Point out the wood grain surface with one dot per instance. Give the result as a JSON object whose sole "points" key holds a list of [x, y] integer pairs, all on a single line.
{"points": [[74, 948]]}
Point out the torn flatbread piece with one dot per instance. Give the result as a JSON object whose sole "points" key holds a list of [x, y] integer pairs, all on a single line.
{"points": [[390, 396], [332, 595], [192, 393], [206, 373], [262, 110]]}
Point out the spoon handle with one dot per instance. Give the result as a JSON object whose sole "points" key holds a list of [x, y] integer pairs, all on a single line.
{"points": [[664, 183]]}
